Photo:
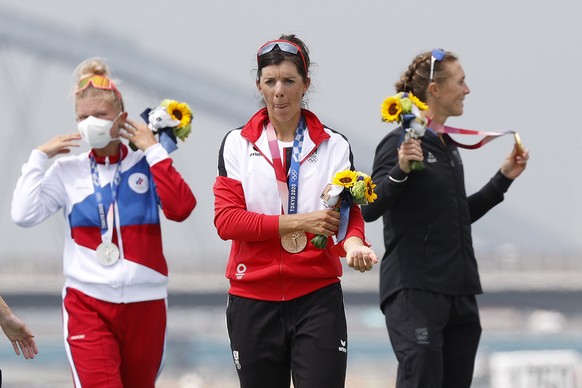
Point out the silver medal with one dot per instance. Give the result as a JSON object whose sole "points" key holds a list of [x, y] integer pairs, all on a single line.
{"points": [[107, 253]]}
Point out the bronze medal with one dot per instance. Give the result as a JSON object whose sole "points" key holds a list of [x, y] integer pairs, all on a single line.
{"points": [[294, 242]]}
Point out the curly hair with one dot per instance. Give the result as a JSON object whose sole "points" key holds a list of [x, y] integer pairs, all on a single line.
{"points": [[416, 78]]}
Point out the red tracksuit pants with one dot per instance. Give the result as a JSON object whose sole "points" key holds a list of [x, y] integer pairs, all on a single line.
{"points": [[112, 345]]}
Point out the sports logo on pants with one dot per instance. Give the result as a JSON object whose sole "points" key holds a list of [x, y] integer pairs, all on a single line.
{"points": [[422, 335]]}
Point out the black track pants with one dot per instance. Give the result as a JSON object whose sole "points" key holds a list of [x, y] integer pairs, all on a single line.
{"points": [[435, 338], [304, 339]]}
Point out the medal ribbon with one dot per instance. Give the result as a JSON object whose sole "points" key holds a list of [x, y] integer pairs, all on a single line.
{"points": [[108, 221], [289, 194], [488, 136], [345, 207]]}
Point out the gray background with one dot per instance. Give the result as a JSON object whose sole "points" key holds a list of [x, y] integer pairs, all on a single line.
{"points": [[522, 60]]}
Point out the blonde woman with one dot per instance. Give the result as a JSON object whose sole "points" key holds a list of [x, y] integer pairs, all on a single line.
{"points": [[114, 298]]}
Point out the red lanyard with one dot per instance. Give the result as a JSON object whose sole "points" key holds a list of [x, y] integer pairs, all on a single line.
{"points": [[488, 136]]}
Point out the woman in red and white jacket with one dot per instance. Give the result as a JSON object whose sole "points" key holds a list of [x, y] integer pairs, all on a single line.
{"points": [[285, 312], [116, 274]]}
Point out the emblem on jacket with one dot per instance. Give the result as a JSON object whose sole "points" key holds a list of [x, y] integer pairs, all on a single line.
{"points": [[313, 157], [139, 183], [240, 271], [430, 158]]}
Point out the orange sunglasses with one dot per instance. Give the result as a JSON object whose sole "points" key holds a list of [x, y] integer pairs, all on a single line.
{"points": [[98, 82]]}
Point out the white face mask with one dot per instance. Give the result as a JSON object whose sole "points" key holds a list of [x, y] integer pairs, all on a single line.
{"points": [[96, 132]]}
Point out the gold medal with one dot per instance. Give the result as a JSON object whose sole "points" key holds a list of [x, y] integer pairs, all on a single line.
{"points": [[518, 143], [294, 242]]}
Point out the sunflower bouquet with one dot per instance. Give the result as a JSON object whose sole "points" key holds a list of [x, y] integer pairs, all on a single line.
{"points": [[407, 110], [346, 187], [171, 120]]}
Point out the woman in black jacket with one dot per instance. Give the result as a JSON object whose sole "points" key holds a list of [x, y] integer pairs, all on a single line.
{"points": [[429, 275]]}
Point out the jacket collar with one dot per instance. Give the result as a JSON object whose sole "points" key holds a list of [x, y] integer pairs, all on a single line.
{"points": [[254, 129], [110, 159]]}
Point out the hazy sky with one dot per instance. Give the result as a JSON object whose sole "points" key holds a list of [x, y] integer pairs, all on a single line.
{"points": [[522, 60]]}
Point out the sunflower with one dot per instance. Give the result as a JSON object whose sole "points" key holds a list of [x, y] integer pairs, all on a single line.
{"points": [[370, 194], [421, 105], [180, 111], [345, 178], [391, 109]]}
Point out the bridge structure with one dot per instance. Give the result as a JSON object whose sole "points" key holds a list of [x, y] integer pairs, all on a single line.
{"points": [[36, 65], [37, 59]]}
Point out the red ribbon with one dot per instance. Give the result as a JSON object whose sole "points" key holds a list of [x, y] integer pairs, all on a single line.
{"points": [[488, 135]]}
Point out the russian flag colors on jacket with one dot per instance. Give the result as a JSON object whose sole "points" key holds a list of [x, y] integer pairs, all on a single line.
{"points": [[247, 209], [148, 182]]}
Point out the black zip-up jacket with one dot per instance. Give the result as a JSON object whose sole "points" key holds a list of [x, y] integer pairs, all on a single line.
{"points": [[427, 218]]}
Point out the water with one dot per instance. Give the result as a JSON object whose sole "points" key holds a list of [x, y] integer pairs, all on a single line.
{"points": [[199, 355]]}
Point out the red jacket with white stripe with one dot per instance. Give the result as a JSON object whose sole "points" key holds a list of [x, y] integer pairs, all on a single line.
{"points": [[247, 208]]}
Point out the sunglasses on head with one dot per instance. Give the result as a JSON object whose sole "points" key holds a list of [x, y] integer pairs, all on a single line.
{"points": [[284, 45], [436, 55], [98, 82]]}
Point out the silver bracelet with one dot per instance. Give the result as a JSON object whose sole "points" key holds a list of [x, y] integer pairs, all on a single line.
{"points": [[398, 180]]}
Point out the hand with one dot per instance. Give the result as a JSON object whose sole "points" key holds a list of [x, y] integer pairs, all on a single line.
{"points": [[324, 222], [515, 163], [60, 144], [408, 151], [359, 257], [138, 133], [19, 335]]}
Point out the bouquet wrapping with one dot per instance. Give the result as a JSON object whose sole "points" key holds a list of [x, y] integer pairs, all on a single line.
{"points": [[346, 188]]}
